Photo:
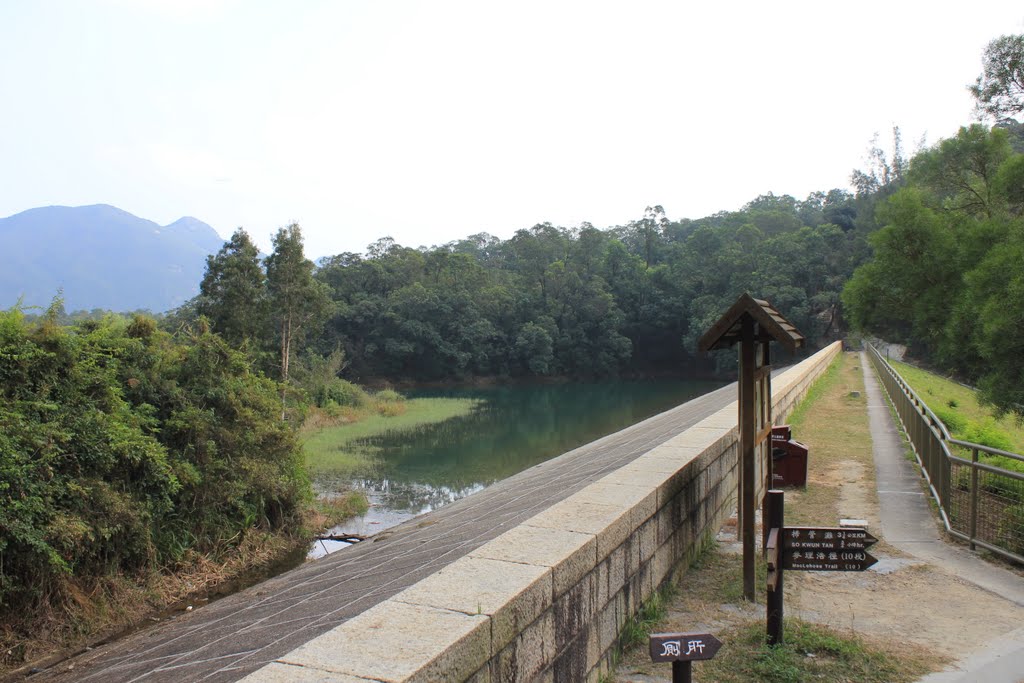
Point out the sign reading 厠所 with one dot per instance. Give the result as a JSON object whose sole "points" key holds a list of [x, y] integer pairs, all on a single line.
{"points": [[683, 647]]}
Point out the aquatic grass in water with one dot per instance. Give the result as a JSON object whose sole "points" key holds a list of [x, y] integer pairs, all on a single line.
{"points": [[337, 449], [452, 443]]}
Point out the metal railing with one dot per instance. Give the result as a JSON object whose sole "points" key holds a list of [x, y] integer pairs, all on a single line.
{"points": [[979, 502]]}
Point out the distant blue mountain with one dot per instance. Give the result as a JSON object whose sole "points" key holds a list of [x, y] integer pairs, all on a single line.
{"points": [[102, 257]]}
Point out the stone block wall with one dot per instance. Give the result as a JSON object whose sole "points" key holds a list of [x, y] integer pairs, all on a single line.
{"points": [[546, 601]]}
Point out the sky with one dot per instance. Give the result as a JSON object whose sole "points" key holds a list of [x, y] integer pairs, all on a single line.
{"points": [[430, 121]]}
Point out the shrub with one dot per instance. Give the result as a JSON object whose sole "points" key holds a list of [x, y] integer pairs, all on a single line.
{"points": [[996, 484], [1011, 529], [987, 433], [342, 393], [391, 408], [389, 396], [955, 423], [122, 448]]}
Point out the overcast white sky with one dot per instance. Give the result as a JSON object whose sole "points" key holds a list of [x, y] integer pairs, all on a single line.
{"points": [[429, 121]]}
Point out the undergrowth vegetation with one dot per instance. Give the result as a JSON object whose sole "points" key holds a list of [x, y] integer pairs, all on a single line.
{"points": [[967, 419], [125, 449]]}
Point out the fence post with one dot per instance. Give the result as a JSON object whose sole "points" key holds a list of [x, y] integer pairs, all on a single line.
{"points": [[946, 468], [974, 495]]}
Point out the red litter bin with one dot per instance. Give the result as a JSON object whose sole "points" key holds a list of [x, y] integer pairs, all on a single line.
{"points": [[789, 458]]}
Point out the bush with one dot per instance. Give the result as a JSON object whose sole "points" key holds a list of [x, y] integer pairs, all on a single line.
{"points": [[122, 448], [391, 408], [1011, 529], [987, 433], [955, 423], [999, 485], [343, 393], [389, 396]]}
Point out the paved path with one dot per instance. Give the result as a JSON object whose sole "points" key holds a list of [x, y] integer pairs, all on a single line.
{"points": [[230, 638], [908, 524]]}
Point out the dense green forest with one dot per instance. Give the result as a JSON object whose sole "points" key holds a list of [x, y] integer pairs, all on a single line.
{"points": [[947, 273], [573, 302]]}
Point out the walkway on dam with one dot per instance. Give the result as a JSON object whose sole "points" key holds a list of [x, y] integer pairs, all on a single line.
{"points": [[909, 524], [233, 637]]}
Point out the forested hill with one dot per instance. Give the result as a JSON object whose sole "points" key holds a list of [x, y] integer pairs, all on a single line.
{"points": [[102, 257], [550, 300], [581, 301]]}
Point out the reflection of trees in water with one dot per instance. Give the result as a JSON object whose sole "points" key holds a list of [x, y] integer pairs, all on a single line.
{"points": [[515, 428], [519, 426], [416, 497]]}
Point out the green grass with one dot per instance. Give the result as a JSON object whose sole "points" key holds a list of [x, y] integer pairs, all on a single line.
{"points": [[823, 383], [809, 653], [333, 448], [958, 407], [637, 628]]}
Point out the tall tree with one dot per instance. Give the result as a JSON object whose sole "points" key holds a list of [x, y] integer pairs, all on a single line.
{"points": [[297, 301], [999, 90], [961, 171], [883, 170], [233, 292]]}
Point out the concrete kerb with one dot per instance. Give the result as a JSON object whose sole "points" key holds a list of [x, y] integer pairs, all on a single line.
{"points": [[581, 567], [397, 641]]}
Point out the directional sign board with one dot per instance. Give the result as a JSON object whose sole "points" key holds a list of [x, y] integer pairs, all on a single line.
{"points": [[826, 538], [828, 561], [683, 647]]}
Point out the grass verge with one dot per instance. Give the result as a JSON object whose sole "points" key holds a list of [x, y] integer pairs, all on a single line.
{"points": [[810, 653], [958, 407], [832, 422]]}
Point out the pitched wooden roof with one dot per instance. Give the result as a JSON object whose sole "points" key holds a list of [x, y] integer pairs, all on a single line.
{"points": [[770, 325]]}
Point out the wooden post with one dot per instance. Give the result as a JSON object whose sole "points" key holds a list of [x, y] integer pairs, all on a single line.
{"points": [[765, 447], [775, 521], [974, 496], [748, 487]]}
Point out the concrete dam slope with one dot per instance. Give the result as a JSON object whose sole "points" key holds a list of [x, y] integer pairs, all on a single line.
{"points": [[530, 579]]}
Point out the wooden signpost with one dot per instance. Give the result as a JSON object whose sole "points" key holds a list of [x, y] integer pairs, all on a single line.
{"points": [[828, 549], [753, 323], [682, 649]]}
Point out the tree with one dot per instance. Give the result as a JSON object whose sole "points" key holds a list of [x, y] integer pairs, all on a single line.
{"points": [[297, 301], [534, 348], [233, 293], [653, 225], [905, 292], [882, 171], [999, 90], [961, 171]]}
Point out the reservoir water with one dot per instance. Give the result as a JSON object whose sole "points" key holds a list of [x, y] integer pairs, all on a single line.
{"points": [[511, 429]]}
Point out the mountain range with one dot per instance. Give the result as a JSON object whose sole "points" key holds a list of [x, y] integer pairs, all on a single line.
{"points": [[101, 257]]}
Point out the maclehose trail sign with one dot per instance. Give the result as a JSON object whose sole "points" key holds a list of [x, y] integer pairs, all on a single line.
{"points": [[832, 561]]}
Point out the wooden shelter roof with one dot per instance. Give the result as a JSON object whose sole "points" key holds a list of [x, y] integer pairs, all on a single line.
{"points": [[770, 325]]}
